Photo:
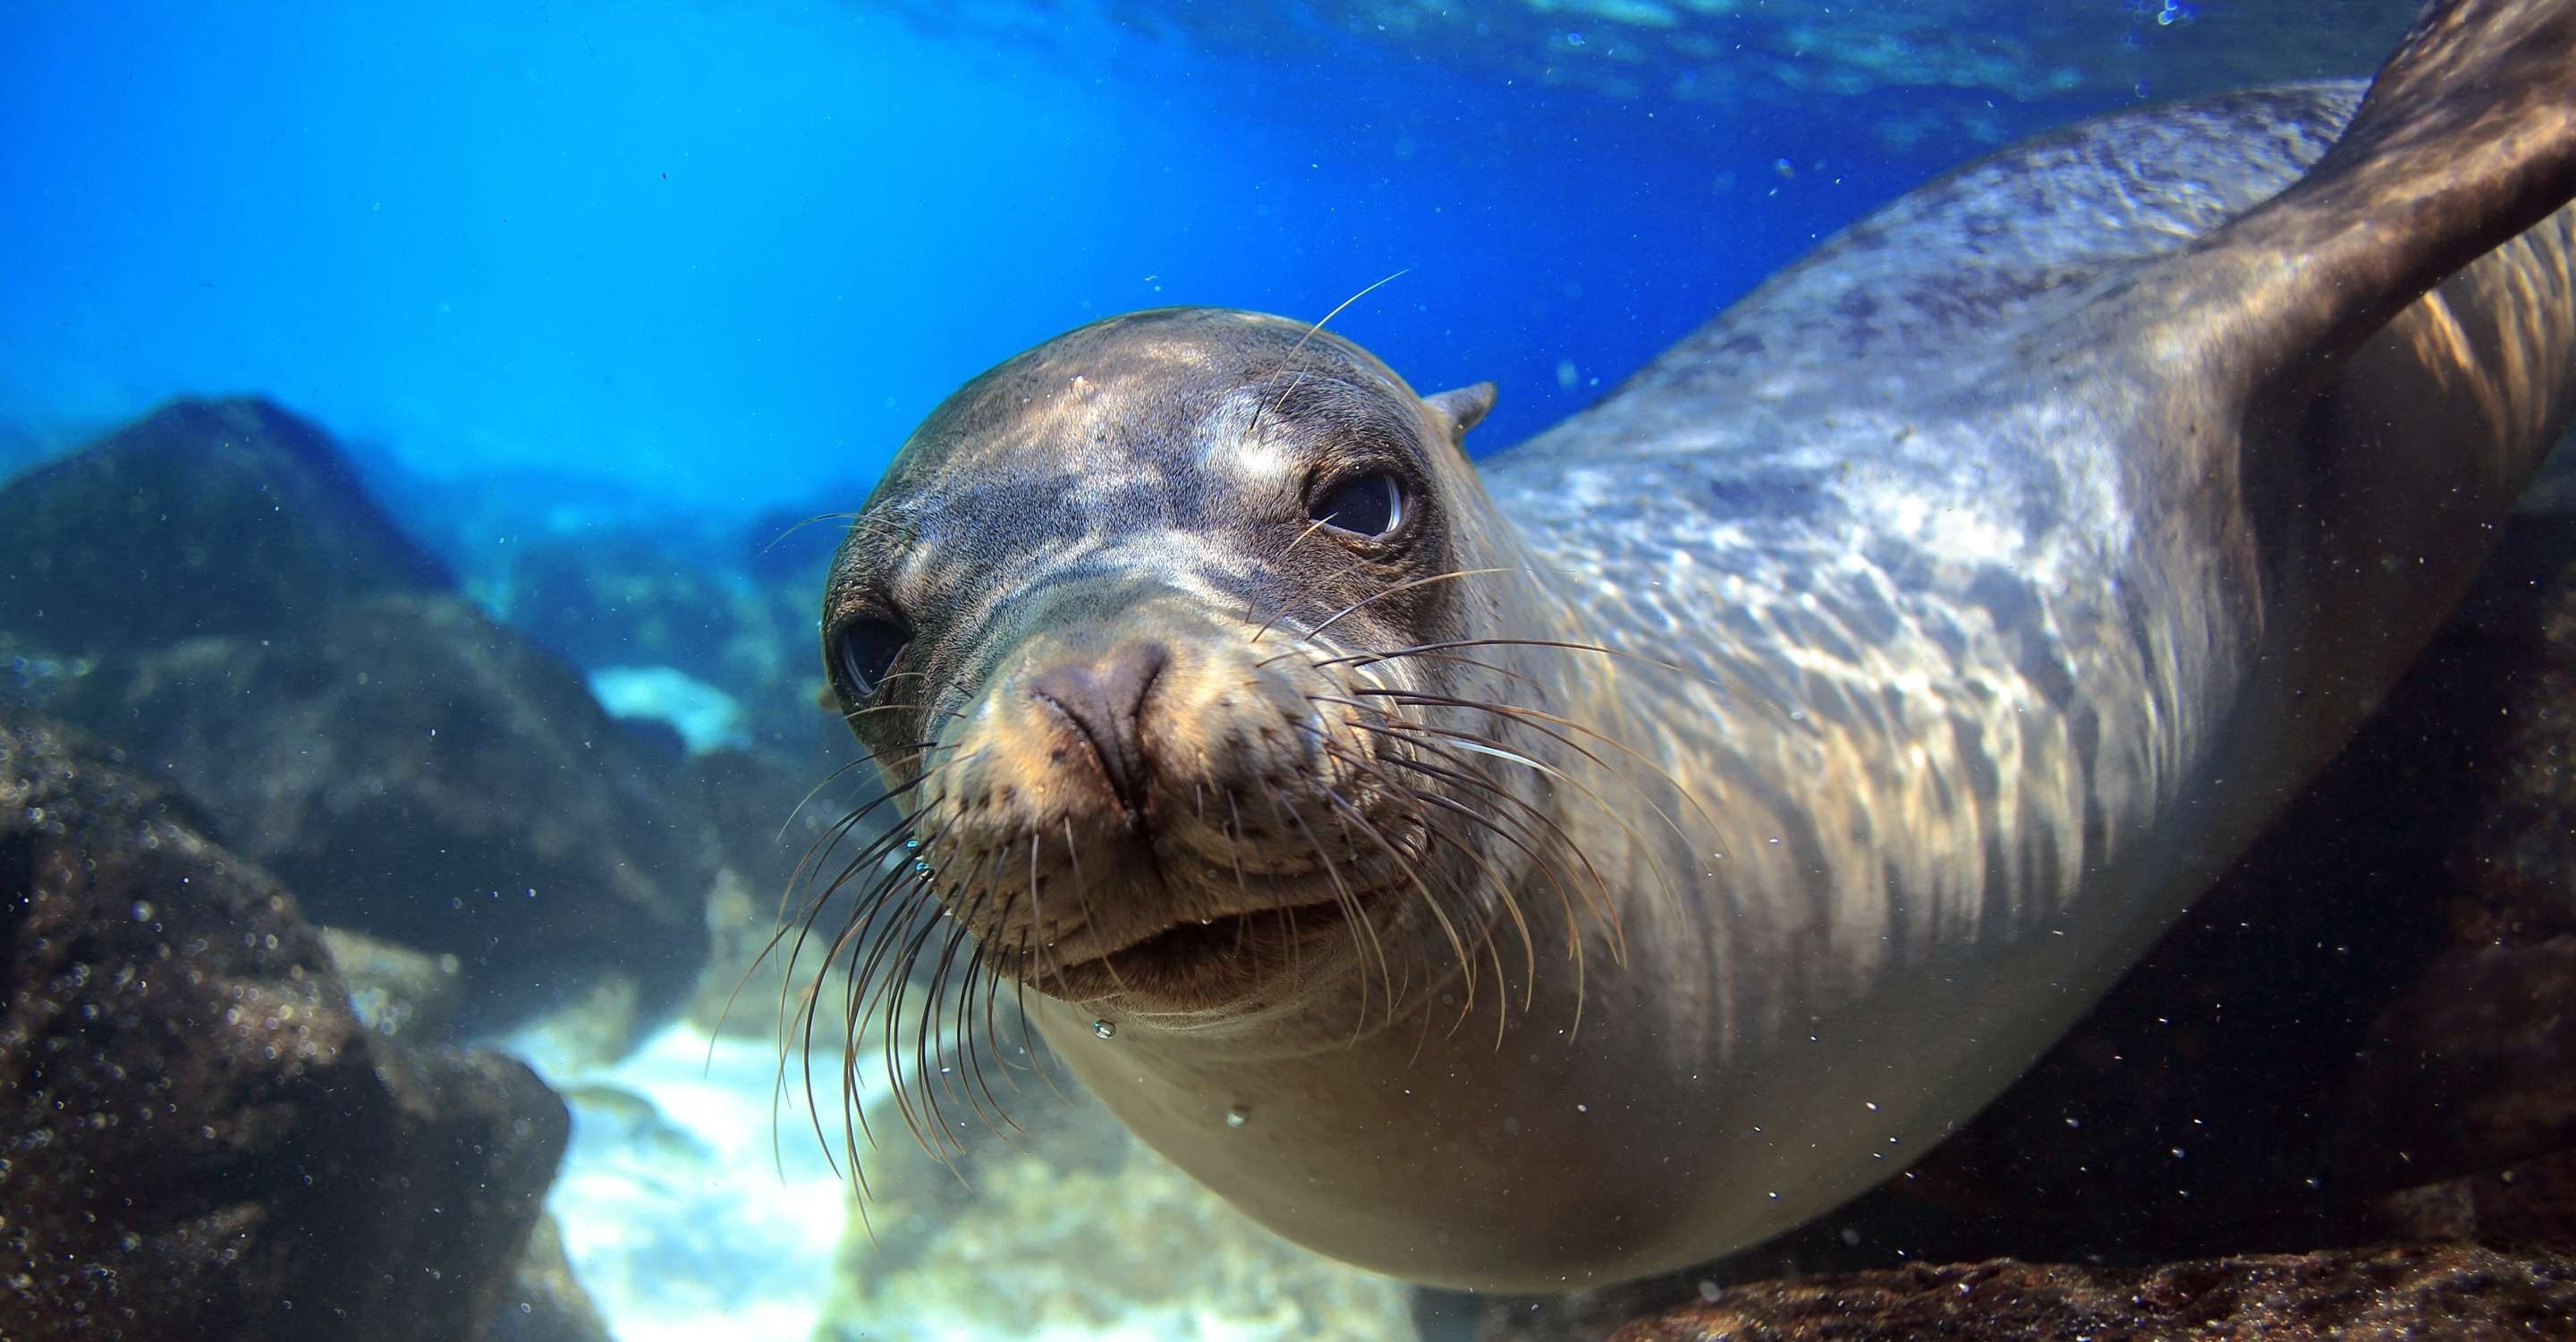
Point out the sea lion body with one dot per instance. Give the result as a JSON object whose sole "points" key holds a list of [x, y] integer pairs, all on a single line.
{"points": [[1971, 593]]}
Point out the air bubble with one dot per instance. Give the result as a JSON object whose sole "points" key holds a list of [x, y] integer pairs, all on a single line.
{"points": [[1104, 1029], [1237, 1116]]}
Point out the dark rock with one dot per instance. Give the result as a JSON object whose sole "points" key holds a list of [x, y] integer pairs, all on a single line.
{"points": [[548, 1303], [199, 1139], [421, 774], [2534, 1201], [207, 517], [2456, 1291]]}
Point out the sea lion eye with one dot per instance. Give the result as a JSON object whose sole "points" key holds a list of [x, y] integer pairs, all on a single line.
{"points": [[1365, 505], [867, 647]]}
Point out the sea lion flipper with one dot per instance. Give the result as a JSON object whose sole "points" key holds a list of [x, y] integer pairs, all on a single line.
{"points": [[2467, 138]]}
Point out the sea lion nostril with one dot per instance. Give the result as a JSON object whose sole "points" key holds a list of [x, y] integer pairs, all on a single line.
{"points": [[1104, 698]]}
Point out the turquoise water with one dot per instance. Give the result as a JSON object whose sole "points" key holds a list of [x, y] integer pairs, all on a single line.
{"points": [[630, 287]]}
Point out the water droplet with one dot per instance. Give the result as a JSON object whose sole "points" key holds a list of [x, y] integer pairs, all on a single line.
{"points": [[1710, 1292], [1104, 1029], [912, 843], [1237, 1116]]}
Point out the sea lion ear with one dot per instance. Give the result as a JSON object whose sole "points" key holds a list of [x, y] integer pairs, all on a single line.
{"points": [[1466, 407]]}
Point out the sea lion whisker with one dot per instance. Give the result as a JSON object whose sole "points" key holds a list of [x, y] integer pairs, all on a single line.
{"points": [[1361, 661], [1533, 716], [1351, 912], [1505, 900], [1406, 586], [809, 862], [1037, 924], [927, 1029], [888, 992], [1290, 601], [1412, 873], [1464, 740], [1598, 898], [870, 853], [959, 1036], [1082, 896], [1570, 645], [800, 526], [869, 933], [804, 1017], [1234, 858], [969, 1075], [1310, 334], [871, 710], [1469, 741], [1484, 930], [1546, 866], [1450, 809], [812, 910], [816, 791], [980, 968]]}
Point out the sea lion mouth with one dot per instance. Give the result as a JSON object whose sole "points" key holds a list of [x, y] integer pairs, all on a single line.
{"points": [[1204, 962]]}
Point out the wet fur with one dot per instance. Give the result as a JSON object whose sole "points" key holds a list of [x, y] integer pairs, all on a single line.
{"points": [[1782, 752]]}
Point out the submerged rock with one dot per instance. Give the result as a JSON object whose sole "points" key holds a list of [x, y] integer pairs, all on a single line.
{"points": [[2359, 1295], [419, 773], [212, 589], [204, 517], [199, 1138]]}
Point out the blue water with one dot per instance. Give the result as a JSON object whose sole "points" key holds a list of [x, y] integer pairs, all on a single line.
{"points": [[725, 256], [622, 270]]}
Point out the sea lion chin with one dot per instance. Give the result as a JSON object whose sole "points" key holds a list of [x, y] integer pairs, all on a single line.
{"points": [[1569, 870]]}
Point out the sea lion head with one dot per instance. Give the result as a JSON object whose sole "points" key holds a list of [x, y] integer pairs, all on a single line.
{"points": [[1166, 632]]}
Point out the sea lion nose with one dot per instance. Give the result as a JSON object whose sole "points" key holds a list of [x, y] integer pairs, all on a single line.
{"points": [[1104, 698]]}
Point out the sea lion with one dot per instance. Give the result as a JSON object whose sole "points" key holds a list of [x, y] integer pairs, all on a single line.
{"points": [[1569, 869]]}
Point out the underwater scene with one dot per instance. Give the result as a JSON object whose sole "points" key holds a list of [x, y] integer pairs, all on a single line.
{"points": [[1443, 670]]}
